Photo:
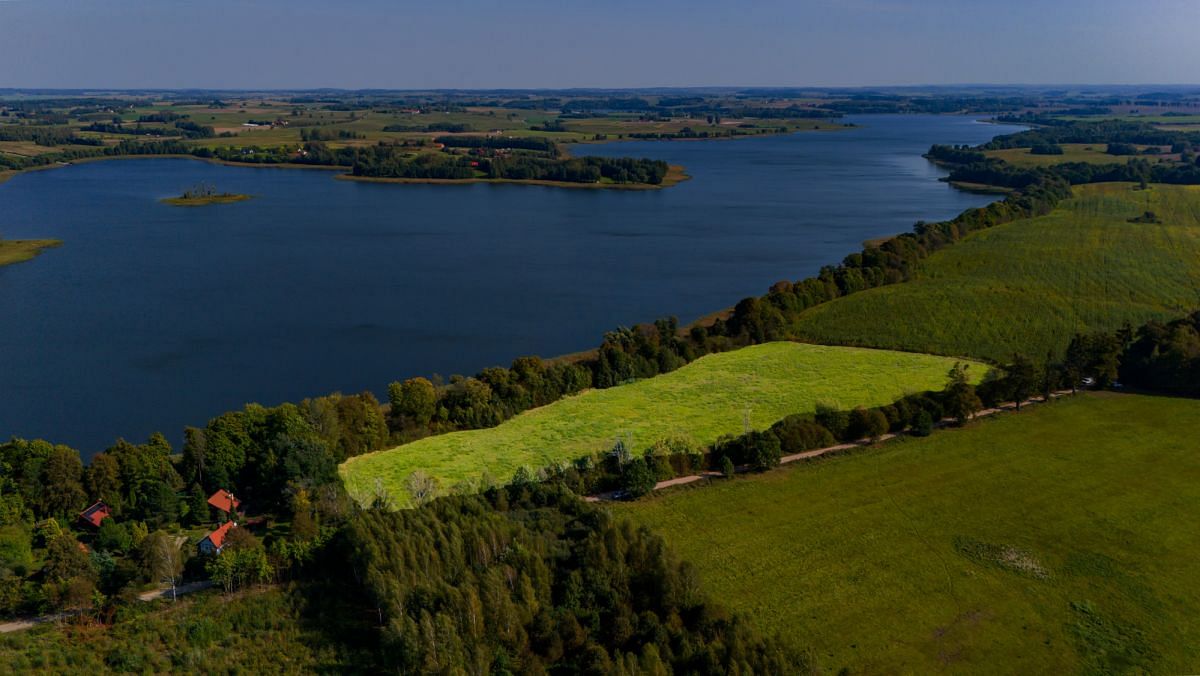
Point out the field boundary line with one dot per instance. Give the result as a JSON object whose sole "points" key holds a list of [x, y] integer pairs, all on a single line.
{"points": [[829, 450]]}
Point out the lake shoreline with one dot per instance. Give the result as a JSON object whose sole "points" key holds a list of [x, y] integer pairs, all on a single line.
{"points": [[205, 200], [676, 174], [551, 270], [21, 250]]}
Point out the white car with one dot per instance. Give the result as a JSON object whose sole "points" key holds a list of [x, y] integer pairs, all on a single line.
{"points": [[1089, 381]]}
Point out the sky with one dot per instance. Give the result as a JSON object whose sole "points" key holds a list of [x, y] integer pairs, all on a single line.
{"points": [[281, 44]]}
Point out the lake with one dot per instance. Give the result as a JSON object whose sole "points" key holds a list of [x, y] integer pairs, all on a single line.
{"points": [[152, 317]]}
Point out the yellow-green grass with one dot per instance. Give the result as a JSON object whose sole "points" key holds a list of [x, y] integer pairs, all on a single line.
{"points": [[717, 394], [1058, 540], [18, 250], [1028, 286], [205, 200], [1093, 153]]}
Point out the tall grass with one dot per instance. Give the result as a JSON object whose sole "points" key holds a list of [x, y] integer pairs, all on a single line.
{"points": [[717, 394]]}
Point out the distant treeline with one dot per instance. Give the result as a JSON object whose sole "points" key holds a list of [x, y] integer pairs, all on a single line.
{"points": [[536, 143], [449, 127], [182, 127], [1053, 130], [44, 136], [868, 103]]}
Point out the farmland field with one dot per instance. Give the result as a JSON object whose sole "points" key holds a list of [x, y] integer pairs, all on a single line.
{"points": [[1029, 285], [1058, 540], [715, 395]]}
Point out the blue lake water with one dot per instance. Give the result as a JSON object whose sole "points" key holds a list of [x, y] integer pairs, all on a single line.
{"points": [[152, 317]]}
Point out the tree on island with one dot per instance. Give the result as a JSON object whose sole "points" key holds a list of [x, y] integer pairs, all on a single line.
{"points": [[203, 191]]}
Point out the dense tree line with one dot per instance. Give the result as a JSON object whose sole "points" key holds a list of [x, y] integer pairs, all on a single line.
{"points": [[118, 128], [1156, 357], [634, 474], [535, 143], [384, 161], [956, 154], [998, 173], [449, 127], [1056, 131], [44, 136], [529, 579]]}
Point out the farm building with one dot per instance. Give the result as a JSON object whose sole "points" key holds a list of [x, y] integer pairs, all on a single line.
{"points": [[92, 516], [224, 501], [214, 542]]}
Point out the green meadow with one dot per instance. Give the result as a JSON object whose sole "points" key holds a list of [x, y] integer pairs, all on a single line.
{"points": [[1058, 540], [1030, 285], [717, 394]]}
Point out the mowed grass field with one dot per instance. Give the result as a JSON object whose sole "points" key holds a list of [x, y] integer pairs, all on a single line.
{"points": [[1062, 539], [717, 394], [1030, 285]]}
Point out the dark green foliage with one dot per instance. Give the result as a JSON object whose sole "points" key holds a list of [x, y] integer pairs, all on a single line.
{"points": [[113, 537], [922, 425], [866, 424], [637, 478], [499, 142], [1054, 130], [1046, 149], [960, 399], [529, 578], [833, 419], [797, 433], [263, 453], [1163, 357], [1023, 379]]}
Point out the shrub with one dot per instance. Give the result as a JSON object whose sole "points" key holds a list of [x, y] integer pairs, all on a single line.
{"points": [[637, 478]]}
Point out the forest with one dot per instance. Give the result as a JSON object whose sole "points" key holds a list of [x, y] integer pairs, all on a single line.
{"points": [[529, 579]]}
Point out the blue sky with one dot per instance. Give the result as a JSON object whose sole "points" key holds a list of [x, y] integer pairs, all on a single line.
{"points": [[610, 43]]}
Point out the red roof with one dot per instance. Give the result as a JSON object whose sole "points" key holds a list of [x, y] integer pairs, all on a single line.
{"points": [[217, 537], [224, 501], [96, 513]]}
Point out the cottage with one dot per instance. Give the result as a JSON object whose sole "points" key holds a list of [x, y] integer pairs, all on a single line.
{"points": [[93, 515], [214, 542], [224, 501]]}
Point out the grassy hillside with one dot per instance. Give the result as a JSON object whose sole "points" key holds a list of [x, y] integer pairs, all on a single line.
{"points": [[1029, 285], [1058, 540], [712, 396]]}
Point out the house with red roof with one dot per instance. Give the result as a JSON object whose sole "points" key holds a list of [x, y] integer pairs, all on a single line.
{"points": [[224, 501], [93, 515], [214, 542]]}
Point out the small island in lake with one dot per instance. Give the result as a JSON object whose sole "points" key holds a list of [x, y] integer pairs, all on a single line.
{"points": [[203, 194], [18, 250]]}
